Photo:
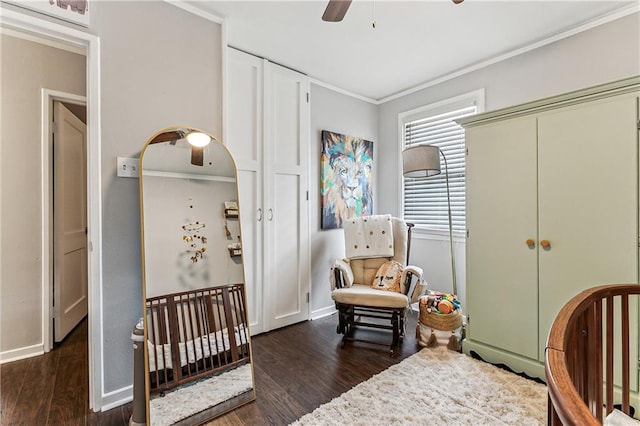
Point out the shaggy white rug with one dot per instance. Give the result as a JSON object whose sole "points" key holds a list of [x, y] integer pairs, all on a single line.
{"points": [[437, 386], [195, 397]]}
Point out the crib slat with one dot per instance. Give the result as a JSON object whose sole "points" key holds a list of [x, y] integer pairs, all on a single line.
{"points": [[154, 339], [595, 343], [229, 322], [625, 353], [199, 327], [609, 364], [222, 351]]}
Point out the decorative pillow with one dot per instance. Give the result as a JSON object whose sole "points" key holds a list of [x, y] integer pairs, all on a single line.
{"points": [[388, 277]]}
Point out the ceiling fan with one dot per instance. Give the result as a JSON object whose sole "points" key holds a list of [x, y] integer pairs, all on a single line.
{"points": [[336, 9]]}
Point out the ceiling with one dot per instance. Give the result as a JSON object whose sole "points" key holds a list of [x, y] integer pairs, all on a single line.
{"points": [[413, 42]]}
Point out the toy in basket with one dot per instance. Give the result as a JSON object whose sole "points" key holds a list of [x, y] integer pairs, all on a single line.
{"points": [[440, 321]]}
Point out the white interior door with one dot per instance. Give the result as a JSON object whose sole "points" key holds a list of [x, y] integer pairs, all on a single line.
{"points": [[501, 217], [245, 141], [69, 221], [588, 203]]}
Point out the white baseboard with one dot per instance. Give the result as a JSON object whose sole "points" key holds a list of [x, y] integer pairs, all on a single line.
{"points": [[323, 312], [117, 398], [21, 353]]}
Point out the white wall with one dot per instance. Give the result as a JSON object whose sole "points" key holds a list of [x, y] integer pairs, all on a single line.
{"points": [[602, 54], [170, 203], [340, 113], [26, 68], [160, 67]]}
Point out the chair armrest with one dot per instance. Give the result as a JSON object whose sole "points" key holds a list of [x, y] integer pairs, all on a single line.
{"points": [[341, 275], [420, 286]]}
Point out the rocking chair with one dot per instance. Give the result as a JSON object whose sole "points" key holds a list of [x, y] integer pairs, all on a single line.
{"points": [[370, 242]]}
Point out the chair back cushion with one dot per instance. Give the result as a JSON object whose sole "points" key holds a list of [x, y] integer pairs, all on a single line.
{"points": [[388, 276], [400, 240]]}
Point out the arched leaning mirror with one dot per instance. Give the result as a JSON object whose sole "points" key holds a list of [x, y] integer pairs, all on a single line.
{"points": [[197, 344]]}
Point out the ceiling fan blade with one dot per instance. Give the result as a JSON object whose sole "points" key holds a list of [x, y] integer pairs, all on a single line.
{"points": [[335, 11], [168, 137], [197, 156]]}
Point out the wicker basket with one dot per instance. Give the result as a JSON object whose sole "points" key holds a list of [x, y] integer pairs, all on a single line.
{"points": [[443, 322]]}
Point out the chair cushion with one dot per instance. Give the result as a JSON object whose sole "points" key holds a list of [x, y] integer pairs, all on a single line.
{"points": [[364, 295], [364, 270]]}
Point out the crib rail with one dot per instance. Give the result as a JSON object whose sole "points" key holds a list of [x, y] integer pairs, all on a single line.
{"points": [[581, 389], [194, 334]]}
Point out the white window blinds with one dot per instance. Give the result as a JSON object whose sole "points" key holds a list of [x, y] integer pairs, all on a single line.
{"points": [[425, 199]]}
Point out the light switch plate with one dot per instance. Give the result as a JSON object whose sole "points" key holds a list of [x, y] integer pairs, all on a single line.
{"points": [[127, 167]]}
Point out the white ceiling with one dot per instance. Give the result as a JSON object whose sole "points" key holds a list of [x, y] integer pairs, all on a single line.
{"points": [[414, 42]]}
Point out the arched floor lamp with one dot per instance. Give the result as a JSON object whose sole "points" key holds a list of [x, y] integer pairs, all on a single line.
{"points": [[424, 161]]}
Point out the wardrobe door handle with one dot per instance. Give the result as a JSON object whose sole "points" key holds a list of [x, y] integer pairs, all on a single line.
{"points": [[259, 215], [531, 243], [270, 215], [545, 244]]}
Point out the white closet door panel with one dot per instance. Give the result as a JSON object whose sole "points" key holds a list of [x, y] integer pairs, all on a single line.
{"points": [[287, 211], [588, 201], [288, 94], [288, 283], [251, 217], [245, 141], [502, 283], [245, 107]]}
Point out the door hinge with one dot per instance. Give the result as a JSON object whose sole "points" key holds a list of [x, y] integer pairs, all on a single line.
{"points": [[308, 297], [638, 125], [307, 195], [308, 97], [466, 151], [467, 233], [638, 241], [54, 127]]}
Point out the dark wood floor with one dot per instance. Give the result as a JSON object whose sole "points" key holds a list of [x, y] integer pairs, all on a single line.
{"points": [[296, 368]]}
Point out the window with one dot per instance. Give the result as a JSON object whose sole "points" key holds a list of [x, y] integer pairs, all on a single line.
{"points": [[425, 199]]}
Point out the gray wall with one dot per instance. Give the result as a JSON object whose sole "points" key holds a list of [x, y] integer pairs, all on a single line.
{"points": [[26, 68], [600, 55], [160, 67], [343, 114]]}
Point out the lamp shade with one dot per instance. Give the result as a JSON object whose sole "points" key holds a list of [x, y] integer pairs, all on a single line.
{"points": [[421, 161]]}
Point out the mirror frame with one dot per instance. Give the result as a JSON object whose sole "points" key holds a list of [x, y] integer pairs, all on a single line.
{"points": [[227, 405]]}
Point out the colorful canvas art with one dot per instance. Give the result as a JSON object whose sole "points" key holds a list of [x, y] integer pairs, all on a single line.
{"points": [[346, 178]]}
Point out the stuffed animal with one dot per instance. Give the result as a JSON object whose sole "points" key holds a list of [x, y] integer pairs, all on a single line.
{"points": [[388, 276]]}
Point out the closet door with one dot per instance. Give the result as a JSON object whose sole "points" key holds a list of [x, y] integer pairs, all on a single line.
{"points": [[588, 201], [245, 83], [502, 269], [287, 206]]}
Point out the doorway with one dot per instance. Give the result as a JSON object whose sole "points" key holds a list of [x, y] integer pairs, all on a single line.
{"points": [[88, 45]]}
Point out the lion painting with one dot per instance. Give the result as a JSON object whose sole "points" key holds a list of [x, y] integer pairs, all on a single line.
{"points": [[346, 181]]}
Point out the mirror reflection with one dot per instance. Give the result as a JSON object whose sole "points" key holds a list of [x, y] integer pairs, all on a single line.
{"points": [[198, 354]]}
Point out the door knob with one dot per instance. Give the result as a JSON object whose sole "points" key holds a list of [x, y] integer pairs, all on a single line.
{"points": [[545, 244], [531, 243]]}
